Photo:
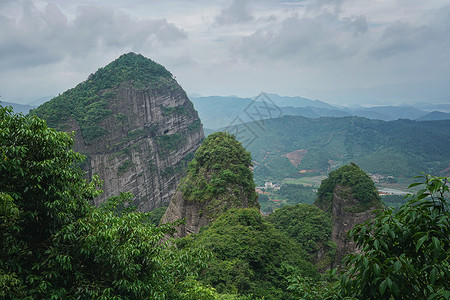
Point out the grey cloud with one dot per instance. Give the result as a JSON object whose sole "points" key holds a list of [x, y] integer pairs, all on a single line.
{"points": [[335, 5], [95, 25], [42, 37], [400, 38], [307, 39], [357, 24], [26, 42], [237, 12]]}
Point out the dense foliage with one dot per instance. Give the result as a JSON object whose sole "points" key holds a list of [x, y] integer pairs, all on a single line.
{"points": [[405, 253], [87, 103], [220, 170], [156, 214], [309, 226], [350, 176], [394, 201], [55, 244], [297, 193], [250, 255]]}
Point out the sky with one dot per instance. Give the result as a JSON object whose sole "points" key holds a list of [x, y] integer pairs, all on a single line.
{"points": [[344, 52]]}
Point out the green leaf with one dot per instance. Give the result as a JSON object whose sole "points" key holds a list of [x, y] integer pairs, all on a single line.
{"points": [[383, 286], [376, 269], [414, 184], [433, 275], [421, 241], [376, 244], [436, 243], [389, 282]]}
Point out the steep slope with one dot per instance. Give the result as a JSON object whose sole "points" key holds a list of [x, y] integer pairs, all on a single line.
{"points": [[217, 179], [350, 196], [134, 123]]}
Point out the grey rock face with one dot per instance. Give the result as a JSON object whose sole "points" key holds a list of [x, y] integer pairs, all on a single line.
{"points": [[150, 137], [190, 211], [199, 214], [344, 219]]}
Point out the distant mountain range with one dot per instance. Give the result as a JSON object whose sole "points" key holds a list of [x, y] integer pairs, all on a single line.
{"points": [[18, 108], [435, 115], [219, 112]]}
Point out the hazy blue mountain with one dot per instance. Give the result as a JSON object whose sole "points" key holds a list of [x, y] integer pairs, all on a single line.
{"points": [[370, 114], [443, 107], [389, 113], [18, 108], [218, 112], [298, 102], [435, 115], [313, 112]]}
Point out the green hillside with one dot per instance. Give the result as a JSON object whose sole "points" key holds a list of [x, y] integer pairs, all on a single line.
{"points": [[294, 146], [87, 102]]}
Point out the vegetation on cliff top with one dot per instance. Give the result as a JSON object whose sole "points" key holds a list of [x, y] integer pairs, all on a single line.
{"points": [[310, 227], [87, 103], [250, 256], [349, 177], [220, 171]]}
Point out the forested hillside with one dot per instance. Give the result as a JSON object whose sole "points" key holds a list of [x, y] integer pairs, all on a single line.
{"points": [[55, 244], [292, 146]]}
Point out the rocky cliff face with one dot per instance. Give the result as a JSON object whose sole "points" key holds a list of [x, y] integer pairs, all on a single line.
{"points": [[148, 152], [350, 196], [345, 217], [217, 179], [198, 214], [138, 130]]}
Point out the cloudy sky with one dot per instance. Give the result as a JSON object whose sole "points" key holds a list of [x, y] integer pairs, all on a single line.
{"points": [[339, 51]]}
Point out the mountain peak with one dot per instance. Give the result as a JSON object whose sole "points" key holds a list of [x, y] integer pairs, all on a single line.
{"points": [[129, 67]]}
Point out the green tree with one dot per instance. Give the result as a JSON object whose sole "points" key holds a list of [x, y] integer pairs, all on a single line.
{"points": [[350, 176], [55, 244], [309, 226], [41, 192], [220, 172], [405, 253], [297, 193]]}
